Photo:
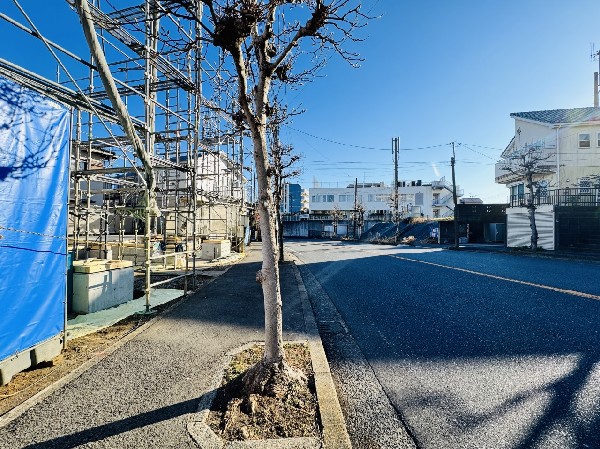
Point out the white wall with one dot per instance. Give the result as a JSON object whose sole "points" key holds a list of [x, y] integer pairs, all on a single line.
{"points": [[518, 230]]}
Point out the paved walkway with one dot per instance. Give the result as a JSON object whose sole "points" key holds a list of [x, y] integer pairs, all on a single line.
{"points": [[142, 395]]}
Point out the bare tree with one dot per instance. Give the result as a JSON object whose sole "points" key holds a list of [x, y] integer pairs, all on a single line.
{"points": [[528, 163], [359, 219], [282, 160], [265, 47], [336, 216]]}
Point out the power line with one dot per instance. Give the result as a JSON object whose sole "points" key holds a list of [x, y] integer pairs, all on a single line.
{"points": [[478, 152], [361, 146]]}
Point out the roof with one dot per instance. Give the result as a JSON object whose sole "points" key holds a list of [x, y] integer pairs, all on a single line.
{"points": [[561, 116], [471, 200]]}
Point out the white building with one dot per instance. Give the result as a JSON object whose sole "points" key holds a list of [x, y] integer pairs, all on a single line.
{"points": [[416, 199], [568, 143], [569, 139]]}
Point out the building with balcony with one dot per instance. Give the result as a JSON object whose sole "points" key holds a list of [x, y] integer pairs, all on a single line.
{"points": [[566, 195], [568, 141]]}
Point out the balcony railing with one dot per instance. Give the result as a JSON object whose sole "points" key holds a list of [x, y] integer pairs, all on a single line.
{"points": [[442, 201], [581, 196]]}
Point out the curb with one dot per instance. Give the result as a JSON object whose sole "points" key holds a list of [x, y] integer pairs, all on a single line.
{"points": [[335, 434], [20, 409]]}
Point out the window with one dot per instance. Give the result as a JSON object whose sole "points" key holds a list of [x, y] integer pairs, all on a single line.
{"points": [[322, 198], [517, 193], [419, 199], [598, 139], [378, 197], [584, 140], [346, 198]]}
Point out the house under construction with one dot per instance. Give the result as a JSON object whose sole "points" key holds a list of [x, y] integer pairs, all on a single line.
{"points": [[178, 102]]}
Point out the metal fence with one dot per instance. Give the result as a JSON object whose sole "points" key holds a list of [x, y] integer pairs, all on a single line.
{"points": [[579, 196]]}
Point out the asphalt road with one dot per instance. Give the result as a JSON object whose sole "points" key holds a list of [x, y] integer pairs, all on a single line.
{"points": [[438, 349]]}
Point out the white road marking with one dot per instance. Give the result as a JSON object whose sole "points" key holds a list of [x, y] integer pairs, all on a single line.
{"points": [[502, 278]]}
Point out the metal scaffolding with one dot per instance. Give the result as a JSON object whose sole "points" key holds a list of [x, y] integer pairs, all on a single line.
{"points": [[155, 57]]}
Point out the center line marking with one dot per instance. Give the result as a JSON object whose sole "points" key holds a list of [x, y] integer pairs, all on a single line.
{"points": [[501, 278]]}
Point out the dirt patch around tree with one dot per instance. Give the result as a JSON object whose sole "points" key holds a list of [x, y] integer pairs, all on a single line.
{"points": [[293, 413], [28, 383]]}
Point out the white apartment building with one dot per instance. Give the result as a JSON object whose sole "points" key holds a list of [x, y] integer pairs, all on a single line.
{"points": [[415, 199]]}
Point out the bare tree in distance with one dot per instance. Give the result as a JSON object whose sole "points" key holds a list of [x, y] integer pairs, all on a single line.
{"points": [[282, 161], [336, 216], [528, 163], [266, 41]]}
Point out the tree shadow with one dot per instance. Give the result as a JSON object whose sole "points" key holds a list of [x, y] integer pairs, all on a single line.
{"points": [[24, 145], [101, 432]]}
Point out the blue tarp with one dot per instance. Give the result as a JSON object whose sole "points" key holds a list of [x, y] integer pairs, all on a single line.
{"points": [[34, 183]]}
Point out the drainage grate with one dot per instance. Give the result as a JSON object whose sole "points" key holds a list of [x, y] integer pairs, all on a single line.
{"points": [[331, 327]]}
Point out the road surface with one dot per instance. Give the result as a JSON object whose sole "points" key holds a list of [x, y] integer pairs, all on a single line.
{"points": [[438, 349]]}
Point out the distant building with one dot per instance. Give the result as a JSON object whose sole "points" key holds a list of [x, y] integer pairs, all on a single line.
{"points": [[304, 199], [291, 201], [416, 199], [471, 200]]}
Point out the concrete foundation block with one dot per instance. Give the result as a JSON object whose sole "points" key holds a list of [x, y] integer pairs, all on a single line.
{"points": [[98, 290], [13, 365], [44, 352], [213, 249]]}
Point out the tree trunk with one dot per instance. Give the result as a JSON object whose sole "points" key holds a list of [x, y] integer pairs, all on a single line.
{"points": [[269, 276], [280, 235], [531, 212]]}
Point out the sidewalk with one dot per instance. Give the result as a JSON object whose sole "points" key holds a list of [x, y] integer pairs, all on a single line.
{"points": [[143, 394]]}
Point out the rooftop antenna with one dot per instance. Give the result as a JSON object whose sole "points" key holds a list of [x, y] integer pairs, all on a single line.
{"points": [[595, 55]]}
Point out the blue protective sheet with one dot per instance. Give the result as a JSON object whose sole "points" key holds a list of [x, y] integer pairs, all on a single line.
{"points": [[34, 183]]}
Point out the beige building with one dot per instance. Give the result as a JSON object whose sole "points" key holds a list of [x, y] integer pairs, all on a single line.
{"points": [[566, 143], [568, 139]]}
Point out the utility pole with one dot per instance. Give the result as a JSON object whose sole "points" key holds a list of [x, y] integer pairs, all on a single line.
{"points": [[355, 206], [596, 55], [395, 149], [452, 163]]}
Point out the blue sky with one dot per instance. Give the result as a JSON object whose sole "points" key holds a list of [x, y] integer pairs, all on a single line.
{"points": [[434, 72], [437, 72]]}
